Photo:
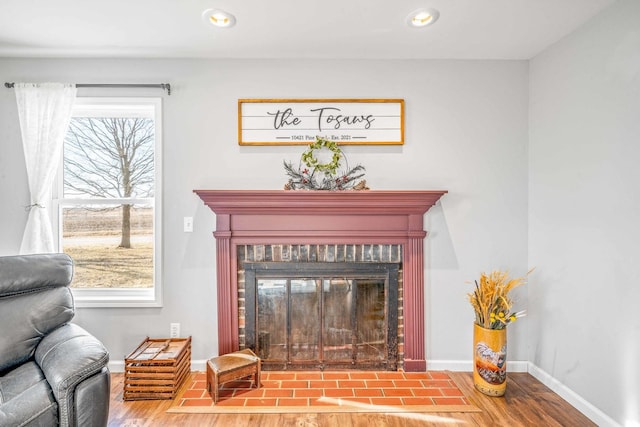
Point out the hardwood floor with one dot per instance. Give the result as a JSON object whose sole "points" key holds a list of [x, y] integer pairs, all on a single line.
{"points": [[526, 403]]}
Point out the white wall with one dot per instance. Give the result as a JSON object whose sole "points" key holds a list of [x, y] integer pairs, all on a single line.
{"points": [[584, 206], [466, 132]]}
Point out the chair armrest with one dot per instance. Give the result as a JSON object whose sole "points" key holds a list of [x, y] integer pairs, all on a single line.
{"points": [[68, 356]]}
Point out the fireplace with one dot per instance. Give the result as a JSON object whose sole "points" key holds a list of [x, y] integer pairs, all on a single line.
{"points": [[322, 315], [336, 223]]}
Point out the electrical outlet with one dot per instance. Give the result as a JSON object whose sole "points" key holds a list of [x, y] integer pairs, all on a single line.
{"points": [[188, 224], [174, 330]]}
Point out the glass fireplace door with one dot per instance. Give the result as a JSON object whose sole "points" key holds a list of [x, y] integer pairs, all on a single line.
{"points": [[337, 330], [322, 321], [288, 325]]}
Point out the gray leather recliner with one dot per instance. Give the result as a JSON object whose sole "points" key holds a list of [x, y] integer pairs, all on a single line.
{"points": [[52, 372]]}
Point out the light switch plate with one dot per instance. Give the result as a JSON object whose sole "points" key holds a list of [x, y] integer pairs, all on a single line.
{"points": [[188, 224]]}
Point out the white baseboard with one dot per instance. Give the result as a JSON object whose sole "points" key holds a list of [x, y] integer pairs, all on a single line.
{"points": [[432, 365], [590, 411], [198, 365], [467, 365], [575, 400], [116, 366]]}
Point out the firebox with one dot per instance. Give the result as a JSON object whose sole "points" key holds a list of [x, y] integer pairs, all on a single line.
{"points": [[310, 315]]}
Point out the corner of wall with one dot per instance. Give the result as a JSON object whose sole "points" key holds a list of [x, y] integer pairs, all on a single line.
{"points": [[574, 399]]}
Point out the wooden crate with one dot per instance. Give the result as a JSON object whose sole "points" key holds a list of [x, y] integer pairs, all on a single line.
{"points": [[157, 368]]}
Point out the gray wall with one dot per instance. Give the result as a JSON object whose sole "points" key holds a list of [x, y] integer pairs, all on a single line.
{"points": [[584, 201], [466, 132]]}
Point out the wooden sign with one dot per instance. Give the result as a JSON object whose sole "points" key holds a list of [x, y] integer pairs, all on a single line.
{"points": [[300, 121]]}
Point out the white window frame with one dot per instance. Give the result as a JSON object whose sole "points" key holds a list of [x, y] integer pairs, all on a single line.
{"points": [[118, 297]]}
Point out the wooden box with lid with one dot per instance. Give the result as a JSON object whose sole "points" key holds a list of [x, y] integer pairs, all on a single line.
{"points": [[157, 368]]}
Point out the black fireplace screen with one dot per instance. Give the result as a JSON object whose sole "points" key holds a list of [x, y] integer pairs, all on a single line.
{"points": [[322, 315]]}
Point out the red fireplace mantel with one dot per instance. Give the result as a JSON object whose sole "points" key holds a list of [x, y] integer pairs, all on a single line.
{"points": [[322, 217]]}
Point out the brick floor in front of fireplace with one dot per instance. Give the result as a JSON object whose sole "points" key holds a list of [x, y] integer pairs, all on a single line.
{"points": [[312, 388]]}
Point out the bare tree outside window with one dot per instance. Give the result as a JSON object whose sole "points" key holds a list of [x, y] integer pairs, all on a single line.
{"points": [[110, 157]]}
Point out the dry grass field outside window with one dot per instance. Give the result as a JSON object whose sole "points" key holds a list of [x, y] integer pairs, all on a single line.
{"points": [[91, 237]]}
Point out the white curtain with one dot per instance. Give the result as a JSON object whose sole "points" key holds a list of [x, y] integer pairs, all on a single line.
{"points": [[45, 112]]}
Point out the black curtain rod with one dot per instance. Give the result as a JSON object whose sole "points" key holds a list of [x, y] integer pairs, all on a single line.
{"points": [[163, 86]]}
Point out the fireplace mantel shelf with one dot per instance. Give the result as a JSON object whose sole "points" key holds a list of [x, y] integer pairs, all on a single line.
{"points": [[369, 202], [322, 217]]}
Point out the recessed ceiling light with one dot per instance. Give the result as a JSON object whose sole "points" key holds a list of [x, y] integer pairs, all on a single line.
{"points": [[219, 18], [422, 17]]}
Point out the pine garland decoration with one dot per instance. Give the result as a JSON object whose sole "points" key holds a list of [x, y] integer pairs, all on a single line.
{"points": [[313, 175]]}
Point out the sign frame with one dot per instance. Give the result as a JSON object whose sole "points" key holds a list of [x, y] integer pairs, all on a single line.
{"points": [[299, 121]]}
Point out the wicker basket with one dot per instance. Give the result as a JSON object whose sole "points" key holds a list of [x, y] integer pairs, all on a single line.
{"points": [[157, 368]]}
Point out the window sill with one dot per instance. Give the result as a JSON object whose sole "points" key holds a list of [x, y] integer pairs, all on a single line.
{"points": [[116, 298]]}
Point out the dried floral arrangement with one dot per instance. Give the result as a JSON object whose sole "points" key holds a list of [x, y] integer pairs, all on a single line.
{"points": [[312, 174], [491, 301]]}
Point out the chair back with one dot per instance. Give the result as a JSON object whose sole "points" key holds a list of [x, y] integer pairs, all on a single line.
{"points": [[35, 299]]}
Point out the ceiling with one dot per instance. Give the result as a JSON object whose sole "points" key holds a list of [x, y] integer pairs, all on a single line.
{"points": [[467, 29]]}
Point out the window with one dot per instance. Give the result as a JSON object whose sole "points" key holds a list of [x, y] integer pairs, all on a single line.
{"points": [[108, 191]]}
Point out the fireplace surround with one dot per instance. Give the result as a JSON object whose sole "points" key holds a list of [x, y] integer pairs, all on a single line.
{"points": [[268, 217]]}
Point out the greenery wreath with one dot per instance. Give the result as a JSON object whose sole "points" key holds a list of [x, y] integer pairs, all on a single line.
{"points": [[323, 176], [311, 161]]}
